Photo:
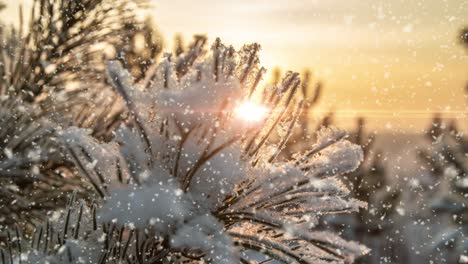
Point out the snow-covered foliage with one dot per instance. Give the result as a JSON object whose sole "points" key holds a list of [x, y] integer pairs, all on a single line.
{"points": [[57, 61], [186, 179], [33, 172], [62, 45], [367, 183], [46, 71]]}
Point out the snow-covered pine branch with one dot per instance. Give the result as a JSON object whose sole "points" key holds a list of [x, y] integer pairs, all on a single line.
{"points": [[57, 60], [46, 71], [63, 45], [34, 173], [186, 179]]}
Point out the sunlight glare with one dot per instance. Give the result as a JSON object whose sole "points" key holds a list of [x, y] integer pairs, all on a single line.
{"points": [[251, 111]]}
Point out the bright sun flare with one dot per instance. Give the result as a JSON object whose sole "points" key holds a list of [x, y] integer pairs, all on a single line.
{"points": [[251, 112]]}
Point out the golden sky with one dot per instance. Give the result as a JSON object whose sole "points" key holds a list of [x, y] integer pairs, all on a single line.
{"points": [[394, 61]]}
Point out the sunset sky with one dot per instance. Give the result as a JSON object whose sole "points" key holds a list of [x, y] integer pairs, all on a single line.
{"points": [[395, 61]]}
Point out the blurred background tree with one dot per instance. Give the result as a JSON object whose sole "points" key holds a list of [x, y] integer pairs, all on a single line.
{"points": [[447, 159], [464, 37]]}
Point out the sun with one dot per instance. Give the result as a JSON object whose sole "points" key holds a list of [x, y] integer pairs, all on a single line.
{"points": [[251, 112]]}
